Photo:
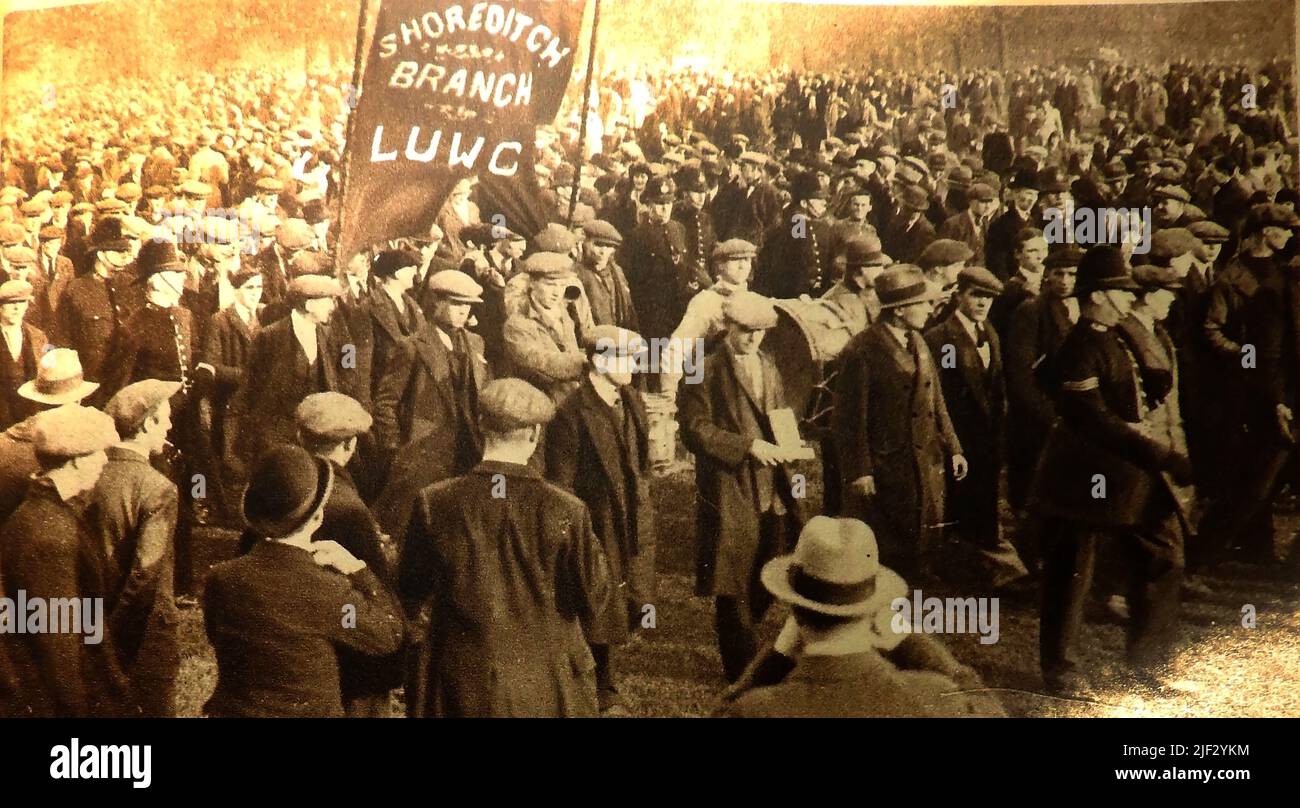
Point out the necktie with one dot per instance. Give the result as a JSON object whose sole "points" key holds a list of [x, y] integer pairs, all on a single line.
{"points": [[981, 335]]}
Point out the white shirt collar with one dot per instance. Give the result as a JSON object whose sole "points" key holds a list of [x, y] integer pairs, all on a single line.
{"points": [[397, 298], [305, 330], [968, 324], [607, 390], [900, 334]]}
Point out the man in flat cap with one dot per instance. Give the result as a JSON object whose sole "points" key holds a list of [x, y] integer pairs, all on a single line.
{"points": [[290, 359], [968, 354], [1251, 308], [25, 344], [971, 225], [1173, 207], [941, 262], [133, 517], [747, 206], [277, 656], [1105, 479], [48, 553], [597, 447], [96, 304], [746, 509], [603, 278], [56, 272], [888, 394], [542, 339], [510, 570], [329, 427], [293, 237], [705, 316]]}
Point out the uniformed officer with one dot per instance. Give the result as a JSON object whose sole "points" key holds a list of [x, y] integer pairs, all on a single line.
{"points": [[1105, 478]]}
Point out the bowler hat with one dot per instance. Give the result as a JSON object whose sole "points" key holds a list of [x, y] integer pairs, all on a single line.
{"points": [[285, 490]]}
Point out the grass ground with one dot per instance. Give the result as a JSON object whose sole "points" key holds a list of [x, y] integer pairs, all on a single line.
{"points": [[1224, 670]]}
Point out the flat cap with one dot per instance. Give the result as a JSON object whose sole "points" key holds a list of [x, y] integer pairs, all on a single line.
{"points": [[756, 158], [61, 198], [52, 231], [734, 248], [311, 262], [555, 238], [914, 197], [1154, 277], [943, 252], [1176, 192], [156, 192], [456, 285], [980, 279], [514, 404], [548, 265], [1067, 255], [602, 232], [196, 189], [310, 287], [864, 251], [1209, 232], [11, 234], [32, 207], [72, 431], [295, 234], [128, 192], [981, 191], [20, 254], [83, 207], [15, 292], [131, 405], [751, 311], [1172, 242], [110, 206], [246, 272], [332, 416], [613, 342], [270, 185]]}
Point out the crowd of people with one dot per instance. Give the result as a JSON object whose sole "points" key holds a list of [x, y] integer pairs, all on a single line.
{"points": [[439, 452]]}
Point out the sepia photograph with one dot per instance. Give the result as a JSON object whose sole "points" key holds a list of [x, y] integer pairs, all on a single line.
{"points": [[649, 359]]}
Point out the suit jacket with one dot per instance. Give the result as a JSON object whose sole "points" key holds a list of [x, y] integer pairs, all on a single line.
{"points": [[892, 424], [394, 334], [610, 296], [1001, 238], [862, 685], [961, 227], [720, 418], [975, 396], [1035, 333], [433, 400], [509, 582], [49, 294], [47, 552], [276, 656], [607, 465], [132, 515], [13, 407], [905, 243], [278, 379]]}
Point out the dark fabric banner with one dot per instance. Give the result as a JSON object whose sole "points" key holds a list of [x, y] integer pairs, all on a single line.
{"points": [[452, 90]]}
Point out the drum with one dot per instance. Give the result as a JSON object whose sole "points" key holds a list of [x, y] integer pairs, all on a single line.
{"points": [[808, 335]]}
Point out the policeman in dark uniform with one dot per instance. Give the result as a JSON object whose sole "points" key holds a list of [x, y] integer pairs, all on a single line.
{"points": [[654, 258], [695, 220], [1105, 479]]}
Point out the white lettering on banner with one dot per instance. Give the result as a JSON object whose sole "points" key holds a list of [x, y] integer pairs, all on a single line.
{"points": [[457, 153], [491, 18]]}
